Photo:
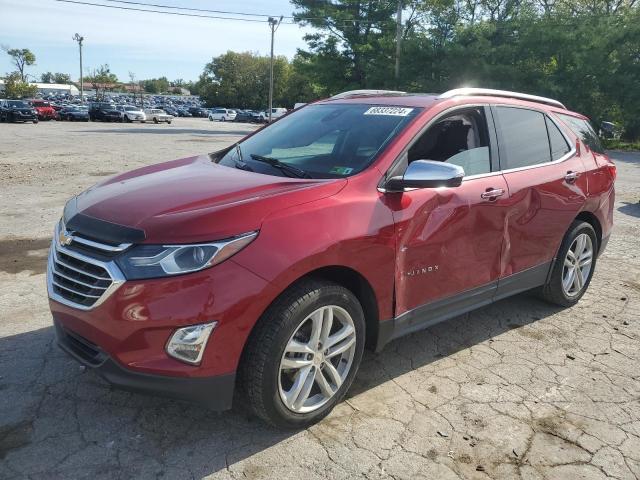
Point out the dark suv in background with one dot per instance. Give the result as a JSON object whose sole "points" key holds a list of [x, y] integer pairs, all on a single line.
{"points": [[104, 112], [17, 111]]}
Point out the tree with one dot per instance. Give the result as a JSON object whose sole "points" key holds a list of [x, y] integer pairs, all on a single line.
{"points": [[156, 85], [21, 58], [102, 78], [48, 77], [242, 80], [15, 87]]}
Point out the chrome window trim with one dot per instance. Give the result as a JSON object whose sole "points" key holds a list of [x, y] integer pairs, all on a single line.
{"points": [[572, 146], [117, 278]]}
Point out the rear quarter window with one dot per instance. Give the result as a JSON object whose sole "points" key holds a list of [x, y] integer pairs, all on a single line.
{"points": [[583, 129]]}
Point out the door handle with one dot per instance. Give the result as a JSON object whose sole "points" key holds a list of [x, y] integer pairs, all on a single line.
{"points": [[571, 176], [492, 193]]}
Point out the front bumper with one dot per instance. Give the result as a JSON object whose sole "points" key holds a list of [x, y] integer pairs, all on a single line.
{"points": [[215, 393]]}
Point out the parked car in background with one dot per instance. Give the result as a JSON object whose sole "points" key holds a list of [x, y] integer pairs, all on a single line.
{"points": [[43, 109], [157, 115], [104, 112], [183, 112], [247, 116], [17, 111], [131, 113], [199, 112], [610, 130], [74, 113], [222, 115], [172, 111], [275, 114]]}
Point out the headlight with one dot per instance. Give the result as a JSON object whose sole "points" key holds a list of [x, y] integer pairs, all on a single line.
{"points": [[152, 261], [188, 343]]}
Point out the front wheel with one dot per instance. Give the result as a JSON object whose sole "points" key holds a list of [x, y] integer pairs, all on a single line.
{"points": [[155, 120], [304, 354], [573, 267]]}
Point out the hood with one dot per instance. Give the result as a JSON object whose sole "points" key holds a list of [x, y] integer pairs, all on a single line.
{"points": [[196, 200]]}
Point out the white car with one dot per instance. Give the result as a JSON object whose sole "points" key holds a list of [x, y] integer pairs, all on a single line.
{"points": [[275, 113], [158, 115], [131, 113], [222, 115]]}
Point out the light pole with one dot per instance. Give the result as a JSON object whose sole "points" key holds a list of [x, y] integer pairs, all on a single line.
{"points": [[79, 39], [273, 24]]}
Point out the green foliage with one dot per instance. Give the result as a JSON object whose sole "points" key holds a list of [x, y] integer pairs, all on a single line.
{"points": [[156, 85], [49, 77], [15, 88], [102, 79], [583, 52], [21, 58], [242, 80]]}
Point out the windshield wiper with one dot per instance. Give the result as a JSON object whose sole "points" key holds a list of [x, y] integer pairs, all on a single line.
{"points": [[285, 167], [240, 164]]}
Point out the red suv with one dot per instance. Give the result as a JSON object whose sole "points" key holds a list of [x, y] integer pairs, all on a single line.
{"points": [[44, 110], [267, 267]]}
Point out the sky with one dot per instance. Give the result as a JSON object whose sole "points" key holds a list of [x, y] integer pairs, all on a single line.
{"points": [[148, 44]]}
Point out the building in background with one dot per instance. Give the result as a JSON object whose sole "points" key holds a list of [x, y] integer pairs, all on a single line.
{"points": [[51, 88]]}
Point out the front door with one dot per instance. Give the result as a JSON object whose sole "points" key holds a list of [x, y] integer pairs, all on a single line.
{"points": [[449, 239]]}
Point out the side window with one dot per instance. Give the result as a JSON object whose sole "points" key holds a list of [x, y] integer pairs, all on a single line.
{"points": [[584, 130], [559, 146], [461, 138], [523, 137]]}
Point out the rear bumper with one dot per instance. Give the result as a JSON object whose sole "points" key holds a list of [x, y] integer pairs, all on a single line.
{"points": [[215, 393]]}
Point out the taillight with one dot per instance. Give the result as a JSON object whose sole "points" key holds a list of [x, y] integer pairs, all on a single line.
{"points": [[611, 167]]}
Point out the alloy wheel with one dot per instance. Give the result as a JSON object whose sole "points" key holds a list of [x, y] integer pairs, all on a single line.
{"points": [[577, 265], [317, 359]]}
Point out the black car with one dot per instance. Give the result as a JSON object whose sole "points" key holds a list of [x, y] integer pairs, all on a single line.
{"points": [[199, 112], [104, 112], [17, 111], [171, 111], [247, 116], [183, 112], [74, 114]]}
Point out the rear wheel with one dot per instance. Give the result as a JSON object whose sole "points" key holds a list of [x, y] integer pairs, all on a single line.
{"points": [[155, 120], [573, 267], [303, 355]]}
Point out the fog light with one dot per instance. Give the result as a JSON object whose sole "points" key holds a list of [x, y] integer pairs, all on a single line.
{"points": [[187, 344]]}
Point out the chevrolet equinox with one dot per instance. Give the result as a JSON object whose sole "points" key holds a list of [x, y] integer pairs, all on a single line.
{"points": [[261, 272]]}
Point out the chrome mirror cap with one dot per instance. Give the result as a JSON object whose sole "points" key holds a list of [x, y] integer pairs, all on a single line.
{"points": [[427, 174]]}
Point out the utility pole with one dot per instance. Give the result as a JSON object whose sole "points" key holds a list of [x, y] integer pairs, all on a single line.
{"points": [[79, 39], [273, 24], [398, 41]]}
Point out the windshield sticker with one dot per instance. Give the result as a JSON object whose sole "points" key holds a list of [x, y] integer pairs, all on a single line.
{"points": [[341, 170], [394, 111]]}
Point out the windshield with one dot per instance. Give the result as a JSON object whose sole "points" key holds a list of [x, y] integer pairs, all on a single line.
{"points": [[325, 140], [18, 104], [131, 109]]}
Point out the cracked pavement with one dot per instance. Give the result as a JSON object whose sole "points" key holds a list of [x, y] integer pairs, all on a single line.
{"points": [[516, 390]]}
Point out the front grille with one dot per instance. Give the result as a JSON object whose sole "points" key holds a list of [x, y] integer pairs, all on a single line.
{"points": [[80, 280]]}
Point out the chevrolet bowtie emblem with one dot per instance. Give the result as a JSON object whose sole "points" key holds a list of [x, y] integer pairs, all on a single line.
{"points": [[65, 238]]}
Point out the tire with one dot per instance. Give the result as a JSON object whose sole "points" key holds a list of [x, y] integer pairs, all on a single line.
{"points": [[155, 120], [127, 119], [262, 378], [557, 292], [168, 122], [35, 121], [222, 119]]}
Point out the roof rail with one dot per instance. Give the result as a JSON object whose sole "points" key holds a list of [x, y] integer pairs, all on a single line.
{"points": [[361, 93], [500, 93]]}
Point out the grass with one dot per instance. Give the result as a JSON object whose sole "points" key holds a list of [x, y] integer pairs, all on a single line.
{"points": [[611, 144]]}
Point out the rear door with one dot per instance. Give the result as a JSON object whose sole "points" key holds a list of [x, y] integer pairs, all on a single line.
{"points": [[547, 189]]}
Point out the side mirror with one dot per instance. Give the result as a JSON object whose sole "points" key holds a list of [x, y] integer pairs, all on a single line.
{"points": [[427, 174]]}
